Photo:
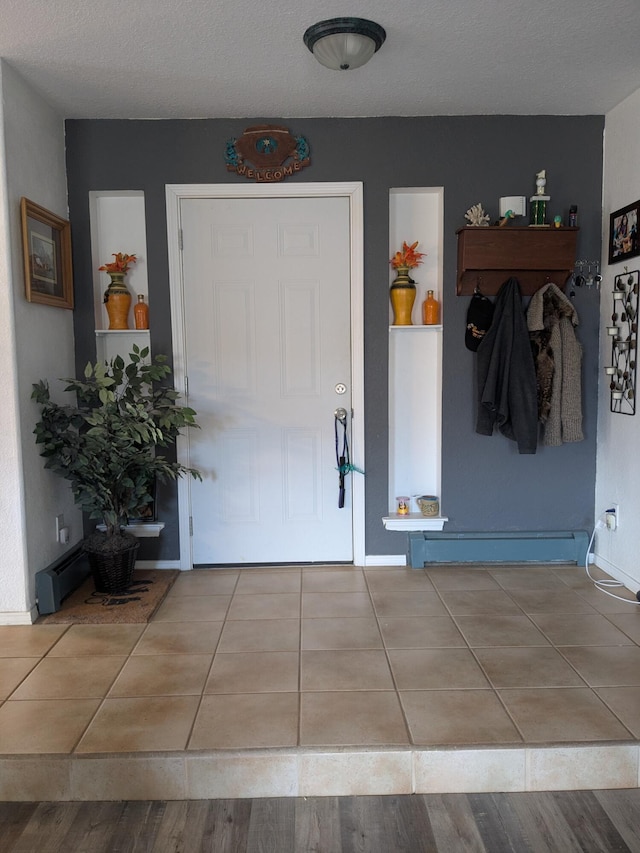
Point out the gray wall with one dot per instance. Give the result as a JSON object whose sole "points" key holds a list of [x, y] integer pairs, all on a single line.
{"points": [[486, 484]]}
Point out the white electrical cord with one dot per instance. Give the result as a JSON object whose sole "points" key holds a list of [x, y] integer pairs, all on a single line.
{"points": [[602, 584]]}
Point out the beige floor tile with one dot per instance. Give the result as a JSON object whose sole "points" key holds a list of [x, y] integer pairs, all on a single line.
{"points": [[70, 678], [246, 721], [179, 638], [420, 632], [260, 635], [575, 577], [625, 704], [358, 669], [94, 640], [430, 669], [317, 605], [285, 605], [562, 714], [550, 601], [29, 641], [628, 622], [478, 601], [610, 666], [536, 666], [461, 577], [500, 629], [142, 724], [12, 672], [588, 629], [263, 581], [351, 719], [203, 608], [204, 582], [525, 577], [339, 580], [162, 675], [354, 632], [253, 672], [235, 681], [457, 717], [44, 726], [407, 603], [624, 602], [398, 579]]}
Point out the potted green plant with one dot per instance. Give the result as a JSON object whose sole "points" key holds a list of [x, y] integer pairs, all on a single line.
{"points": [[106, 443]]}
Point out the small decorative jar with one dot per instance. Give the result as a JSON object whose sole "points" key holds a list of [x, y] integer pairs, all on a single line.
{"points": [[141, 313]]}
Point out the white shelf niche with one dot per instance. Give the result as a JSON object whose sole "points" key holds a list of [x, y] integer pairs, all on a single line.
{"points": [[110, 343], [117, 220], [415, 364], [416, 213]]}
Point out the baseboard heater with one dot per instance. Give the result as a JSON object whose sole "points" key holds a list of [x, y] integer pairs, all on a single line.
{"points": [[548, 546], [61, 578]]}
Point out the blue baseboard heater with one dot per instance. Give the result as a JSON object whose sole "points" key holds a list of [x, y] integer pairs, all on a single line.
{"points": [[61, 578], [547, 546]]}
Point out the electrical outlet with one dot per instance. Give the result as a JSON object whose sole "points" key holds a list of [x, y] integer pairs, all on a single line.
{"points": [[611, 517], [616, 509], [59, 525]]}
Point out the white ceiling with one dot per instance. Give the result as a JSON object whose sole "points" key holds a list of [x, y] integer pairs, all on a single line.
{"points": [[242, 58]]}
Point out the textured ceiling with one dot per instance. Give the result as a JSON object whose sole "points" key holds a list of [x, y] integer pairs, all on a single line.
{"points": [[241, 58]]}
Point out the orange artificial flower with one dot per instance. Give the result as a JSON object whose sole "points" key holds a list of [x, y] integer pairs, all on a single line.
{"points": [[408, 257], [121, 263]]}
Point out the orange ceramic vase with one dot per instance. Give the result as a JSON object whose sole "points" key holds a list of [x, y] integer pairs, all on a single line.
{"points": [[402, 295], [117, 300]]}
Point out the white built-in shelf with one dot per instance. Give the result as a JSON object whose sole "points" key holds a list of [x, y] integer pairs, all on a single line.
{"points": [[141, 530], [413, 521], [421, 328], [113, 342], [139, 333], [415, 362]]}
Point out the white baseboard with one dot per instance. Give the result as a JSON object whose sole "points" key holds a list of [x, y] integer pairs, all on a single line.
{"points": [[631, 583], [385, 560], [20, 617], [159, 564]]}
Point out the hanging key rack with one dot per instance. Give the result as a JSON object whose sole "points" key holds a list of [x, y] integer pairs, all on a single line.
{"points": [[624, 341]]}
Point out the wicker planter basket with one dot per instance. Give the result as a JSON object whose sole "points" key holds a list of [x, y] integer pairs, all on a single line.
{"points": [[112, 570]]}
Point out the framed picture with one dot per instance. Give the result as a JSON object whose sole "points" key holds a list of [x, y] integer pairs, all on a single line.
{"points": [[623, 233], [46, 246]]}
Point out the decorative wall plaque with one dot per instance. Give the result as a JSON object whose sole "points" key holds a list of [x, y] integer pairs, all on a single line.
{"points": [[267, 153]]}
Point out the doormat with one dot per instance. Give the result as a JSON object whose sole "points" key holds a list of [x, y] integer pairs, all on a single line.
{"points": [[137, 603]]}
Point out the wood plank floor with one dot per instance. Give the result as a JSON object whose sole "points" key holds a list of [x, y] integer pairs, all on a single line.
{"points": [[558, 822]]}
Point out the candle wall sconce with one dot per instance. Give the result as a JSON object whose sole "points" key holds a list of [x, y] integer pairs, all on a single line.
{"points": [[623, 332]]}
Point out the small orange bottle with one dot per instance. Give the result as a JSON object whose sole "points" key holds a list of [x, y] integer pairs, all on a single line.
{"points": [[430, 310], [141, 313]]}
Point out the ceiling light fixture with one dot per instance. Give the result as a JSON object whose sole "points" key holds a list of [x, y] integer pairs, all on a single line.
{"points": [[344, 43]]}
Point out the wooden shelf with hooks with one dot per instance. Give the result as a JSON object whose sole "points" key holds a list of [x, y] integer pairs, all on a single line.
{"points": [[489, 255]]}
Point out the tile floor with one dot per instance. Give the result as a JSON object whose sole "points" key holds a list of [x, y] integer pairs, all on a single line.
{"points": [[376, 661]]}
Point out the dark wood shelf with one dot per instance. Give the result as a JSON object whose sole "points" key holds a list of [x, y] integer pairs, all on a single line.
{"points": [[489, 255]]}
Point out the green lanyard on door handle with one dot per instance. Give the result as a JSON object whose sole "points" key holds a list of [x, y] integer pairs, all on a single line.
{"points": [[343, 459]]}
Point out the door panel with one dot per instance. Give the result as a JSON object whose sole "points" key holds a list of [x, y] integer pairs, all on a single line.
{"points": [[266, 295]]}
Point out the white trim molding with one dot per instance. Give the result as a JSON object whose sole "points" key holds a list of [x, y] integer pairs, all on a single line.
{"points": [[354, 192]]}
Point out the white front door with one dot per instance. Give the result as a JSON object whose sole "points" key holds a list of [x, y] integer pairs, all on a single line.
{"points": [[267, 347]]}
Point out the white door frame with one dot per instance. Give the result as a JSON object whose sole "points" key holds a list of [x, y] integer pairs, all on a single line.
{"points": [[353, 191]]}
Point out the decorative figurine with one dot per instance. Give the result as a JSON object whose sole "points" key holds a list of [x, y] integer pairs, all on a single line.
{"points": [[538, 202], [557, 221], [476, 215], [508, 215]]}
